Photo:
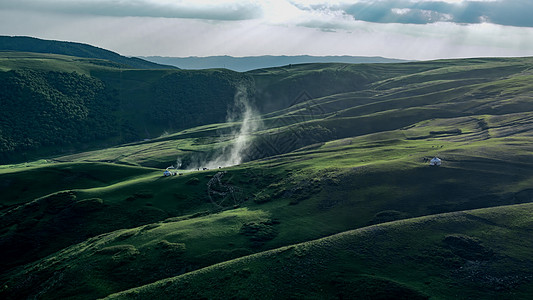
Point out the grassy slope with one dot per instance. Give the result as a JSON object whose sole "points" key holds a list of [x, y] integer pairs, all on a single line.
{"points": [[29, 44], [51, 62], [472, 87], [20, 184], [312, 193], [464, 255], [369, 169]]}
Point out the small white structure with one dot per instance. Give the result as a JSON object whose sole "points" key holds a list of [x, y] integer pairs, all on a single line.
{"points": [[435, 161]]}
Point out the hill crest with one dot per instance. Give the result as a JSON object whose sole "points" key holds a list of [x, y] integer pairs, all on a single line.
{"points": [[31, 44]]}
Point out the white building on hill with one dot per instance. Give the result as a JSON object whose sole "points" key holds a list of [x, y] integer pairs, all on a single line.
{"points": [[435, 161]]}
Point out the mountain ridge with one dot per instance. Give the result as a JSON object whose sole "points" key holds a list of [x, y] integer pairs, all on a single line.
{"points": [[249, 63], [36, 45]]}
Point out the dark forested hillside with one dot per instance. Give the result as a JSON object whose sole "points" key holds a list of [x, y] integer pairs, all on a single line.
{"points": [[53, 109], [211, 94]]}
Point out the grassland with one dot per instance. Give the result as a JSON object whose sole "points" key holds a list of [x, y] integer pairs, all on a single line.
{"points": [[335, 199], [477, 254]]}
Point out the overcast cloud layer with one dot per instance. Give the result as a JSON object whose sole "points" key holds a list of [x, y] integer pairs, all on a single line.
{"points": [[510, 12], [393, 28]]}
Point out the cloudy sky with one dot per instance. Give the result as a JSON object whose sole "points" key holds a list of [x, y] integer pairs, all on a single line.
{"points": [[407, 29]]}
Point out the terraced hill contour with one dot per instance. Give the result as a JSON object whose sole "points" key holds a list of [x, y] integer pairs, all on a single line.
{"points": [[342, 151]]}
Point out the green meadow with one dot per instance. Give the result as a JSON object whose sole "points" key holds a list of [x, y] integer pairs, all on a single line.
{"points": [[334, 196]]}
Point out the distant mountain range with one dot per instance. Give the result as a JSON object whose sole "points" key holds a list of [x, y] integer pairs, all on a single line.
{"points": [[243, 64], [240, 64], [30, 44]]}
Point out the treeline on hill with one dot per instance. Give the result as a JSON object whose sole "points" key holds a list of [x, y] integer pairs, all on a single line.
{"points": [[52, 109], [45, 112], [185, 98]]}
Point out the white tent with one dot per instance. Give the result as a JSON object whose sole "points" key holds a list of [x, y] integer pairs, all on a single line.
{"points": [[435, 161]]}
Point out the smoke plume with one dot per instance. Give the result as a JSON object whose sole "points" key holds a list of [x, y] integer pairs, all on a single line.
{"points": [[242, 112]]}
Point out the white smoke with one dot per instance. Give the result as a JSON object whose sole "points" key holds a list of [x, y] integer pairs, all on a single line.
{"points": [[242, 112]]}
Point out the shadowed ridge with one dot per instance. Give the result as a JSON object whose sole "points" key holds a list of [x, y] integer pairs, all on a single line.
{"points": [[30, 44], [408, 259]]}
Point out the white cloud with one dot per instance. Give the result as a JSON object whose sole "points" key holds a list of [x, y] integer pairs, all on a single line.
{"points": [[201, 9], [484, 19], [454, 1], [401, 11], [279, 27], [290, 12]]}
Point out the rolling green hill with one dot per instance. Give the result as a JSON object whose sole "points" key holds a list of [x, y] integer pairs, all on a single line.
{"points": [[476, 254], [111, 105], [35, 45], [333, 198]]}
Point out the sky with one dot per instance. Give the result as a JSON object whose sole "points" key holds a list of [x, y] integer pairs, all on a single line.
{"points": [[404, 29]]}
